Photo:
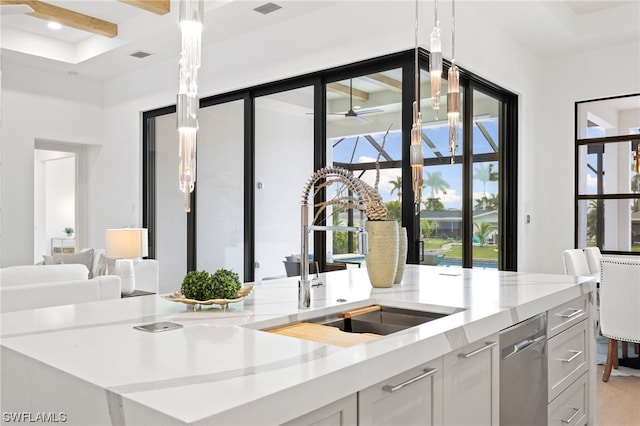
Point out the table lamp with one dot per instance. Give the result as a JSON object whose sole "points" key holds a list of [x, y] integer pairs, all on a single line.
{"points": [[124, 245]]}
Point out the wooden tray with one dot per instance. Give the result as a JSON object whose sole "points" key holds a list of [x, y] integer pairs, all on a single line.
{"points": [[324, 334], [179, 297]]}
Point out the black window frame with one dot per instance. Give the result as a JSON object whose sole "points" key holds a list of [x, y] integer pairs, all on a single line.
{"points": [[507, 155]]}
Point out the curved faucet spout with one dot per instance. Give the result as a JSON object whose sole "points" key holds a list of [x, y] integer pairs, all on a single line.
{"points": [[364, 198]]}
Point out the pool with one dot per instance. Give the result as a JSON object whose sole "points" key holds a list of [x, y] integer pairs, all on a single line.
{"points": [[480, 264]]}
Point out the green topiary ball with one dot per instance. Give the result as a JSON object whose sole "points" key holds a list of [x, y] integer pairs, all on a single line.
{"points": [[197, 285], [226, 284], [201, 285]]}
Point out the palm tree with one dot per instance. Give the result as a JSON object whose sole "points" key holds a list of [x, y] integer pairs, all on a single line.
{"points": [[483, 173], [485, 203], [483, 229], [425, 227], [436, 183], [435, 225], [397, 186], [432, 204], [635, 187]]}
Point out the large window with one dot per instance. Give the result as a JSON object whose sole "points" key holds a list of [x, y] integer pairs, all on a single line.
{"points": [[608, 174], [258, 146], [364, 127]]}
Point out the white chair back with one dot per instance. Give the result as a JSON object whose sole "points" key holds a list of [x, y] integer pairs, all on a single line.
{"points": [[575, 262], [593, 259], [620, 299]]}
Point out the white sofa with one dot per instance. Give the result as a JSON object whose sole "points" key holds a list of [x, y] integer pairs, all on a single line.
{"points": [[38, 286], [146, 271]]}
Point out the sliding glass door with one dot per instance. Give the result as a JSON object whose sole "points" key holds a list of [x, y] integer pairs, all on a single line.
{"points": [[257, 148], [283, 163], [220, 188]]}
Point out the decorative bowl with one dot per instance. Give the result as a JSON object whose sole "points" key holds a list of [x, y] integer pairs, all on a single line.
{"points": [[179, 297]]}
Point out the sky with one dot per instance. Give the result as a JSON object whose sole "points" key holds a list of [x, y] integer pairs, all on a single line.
{"points": [[365, 152]]}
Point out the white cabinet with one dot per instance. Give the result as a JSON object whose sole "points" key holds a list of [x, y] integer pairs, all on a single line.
{"points": [[413, 397], [471, 384], [343, 412], [568, 362], [63, 245], [571, 407]]}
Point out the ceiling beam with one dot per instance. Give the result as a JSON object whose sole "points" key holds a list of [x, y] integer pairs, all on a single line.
{"points": [[68, 17], [159, 7], [343, 89], [387, 82]]}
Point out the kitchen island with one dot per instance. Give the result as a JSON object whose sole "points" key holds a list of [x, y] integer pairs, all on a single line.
{"points": [[89, 363]]}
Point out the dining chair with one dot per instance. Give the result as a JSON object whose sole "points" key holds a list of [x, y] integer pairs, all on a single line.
{"points": [[619, 306], [575, 262], [593, 259]]}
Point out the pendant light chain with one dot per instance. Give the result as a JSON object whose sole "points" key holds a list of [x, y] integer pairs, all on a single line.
{"points": [[416, 155], [453, 94]]}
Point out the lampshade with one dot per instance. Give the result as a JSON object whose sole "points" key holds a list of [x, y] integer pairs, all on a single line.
{"points": [[126, 243]]}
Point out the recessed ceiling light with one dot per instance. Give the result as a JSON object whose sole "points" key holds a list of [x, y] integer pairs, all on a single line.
{"points": [[54, 26], [267, 8]]}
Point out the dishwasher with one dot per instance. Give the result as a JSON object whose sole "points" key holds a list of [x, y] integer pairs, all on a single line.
{"points": [[523, 373]]}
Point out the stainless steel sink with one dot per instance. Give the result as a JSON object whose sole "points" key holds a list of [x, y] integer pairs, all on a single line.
{"points": [[385, 320]]}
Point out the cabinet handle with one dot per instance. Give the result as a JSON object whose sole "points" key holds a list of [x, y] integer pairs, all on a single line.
{"points": [[576, 412], [427, 372], [571, 315], [576, 354], [486, 346]]}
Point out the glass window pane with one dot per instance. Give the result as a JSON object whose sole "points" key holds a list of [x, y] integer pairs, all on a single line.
{"points": [[609, 117], [171, 219], [441, 215], [220, 186], [620, 222], [364, 119], [441, 210], [283, 163], [608, 168], [486, 176]]}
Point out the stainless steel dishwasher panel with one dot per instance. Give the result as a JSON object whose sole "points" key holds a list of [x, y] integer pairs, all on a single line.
{"points": [[523, 373]]}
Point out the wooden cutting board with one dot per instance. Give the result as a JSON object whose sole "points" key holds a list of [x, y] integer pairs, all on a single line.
{"points": [[324, 334]]}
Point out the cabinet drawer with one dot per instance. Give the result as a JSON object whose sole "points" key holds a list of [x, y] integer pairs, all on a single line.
{"points": [[343, 412], [564, 316], [567, 358], [471, 384], [413, 397], [571, 407]]}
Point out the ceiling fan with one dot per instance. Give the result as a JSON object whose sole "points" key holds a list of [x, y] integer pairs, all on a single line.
{"points": [[351, 112]]}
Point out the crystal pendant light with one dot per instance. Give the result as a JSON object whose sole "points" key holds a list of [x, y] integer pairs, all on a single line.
{"points": [[191, 12], [453, 94], [435, 64], [415, 154]]}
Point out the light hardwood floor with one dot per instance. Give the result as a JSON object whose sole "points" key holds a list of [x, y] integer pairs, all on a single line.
{"points": [[618, 400]]}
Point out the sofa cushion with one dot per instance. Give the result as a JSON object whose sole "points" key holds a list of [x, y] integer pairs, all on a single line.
{"points": [[37, 274], [84, 258]]}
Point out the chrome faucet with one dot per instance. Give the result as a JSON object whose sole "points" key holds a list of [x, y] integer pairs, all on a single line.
{"points": [[304, 285], [362, 197]]}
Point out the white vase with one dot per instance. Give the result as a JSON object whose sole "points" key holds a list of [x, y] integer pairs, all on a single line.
{"points": [[402, 254], [382, 258]]}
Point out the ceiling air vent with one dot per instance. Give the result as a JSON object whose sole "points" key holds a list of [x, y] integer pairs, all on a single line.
{"points": [[140, 54], [267, 8]]}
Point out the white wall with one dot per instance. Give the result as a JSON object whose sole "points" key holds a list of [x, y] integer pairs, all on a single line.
{"points": [[44, 106], [551, 168], [60, 198], [284, 163], [547, 90]]}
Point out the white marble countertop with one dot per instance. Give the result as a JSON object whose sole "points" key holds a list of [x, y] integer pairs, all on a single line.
{"points": [[221, 368]]}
